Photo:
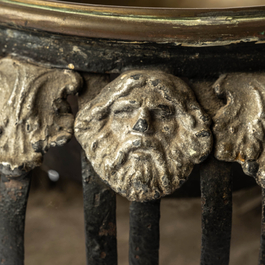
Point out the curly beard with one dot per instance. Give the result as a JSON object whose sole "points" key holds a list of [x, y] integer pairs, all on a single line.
{"points": [[136, 168]]}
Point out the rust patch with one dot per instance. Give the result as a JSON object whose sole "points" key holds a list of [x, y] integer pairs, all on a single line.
{"points": [[12, 184], [240, 158], [103, 255], [110, 231], [5, 239], [97, 200], [149, 226], [12, 195]]}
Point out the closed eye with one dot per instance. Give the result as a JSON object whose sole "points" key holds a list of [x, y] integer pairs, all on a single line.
{"points": [[124, 110], [163, 111]]}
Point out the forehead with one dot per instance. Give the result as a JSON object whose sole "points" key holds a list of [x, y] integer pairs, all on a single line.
{"points": [[145, 94]]}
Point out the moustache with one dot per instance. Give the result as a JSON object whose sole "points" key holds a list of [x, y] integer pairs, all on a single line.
{"points": [[136, 145]]}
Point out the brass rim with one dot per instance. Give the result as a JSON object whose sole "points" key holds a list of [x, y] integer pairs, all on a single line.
{"points": [[187, 27]]}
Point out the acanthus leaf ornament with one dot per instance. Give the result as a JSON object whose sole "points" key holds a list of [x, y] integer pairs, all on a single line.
{"points": [[239, 124], [34, 113], [143, 133]]}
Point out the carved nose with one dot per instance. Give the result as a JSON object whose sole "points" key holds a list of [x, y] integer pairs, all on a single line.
{"points": [[141, 125]]}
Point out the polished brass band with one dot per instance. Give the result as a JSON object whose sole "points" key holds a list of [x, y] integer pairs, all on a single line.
{"points": [[187, 27]]}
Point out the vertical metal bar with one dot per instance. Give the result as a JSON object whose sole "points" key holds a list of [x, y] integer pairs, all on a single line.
{"points": [[100, 218], [13, 203], [262, 235], [144, 233], [216, 196]]}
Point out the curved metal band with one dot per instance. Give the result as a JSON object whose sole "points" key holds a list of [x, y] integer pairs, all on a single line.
{"points": [[188, 27]]}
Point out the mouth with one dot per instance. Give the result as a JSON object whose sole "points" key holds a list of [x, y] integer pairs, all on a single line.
{"points": [[140, 154], [144, 143], [137, 148]]}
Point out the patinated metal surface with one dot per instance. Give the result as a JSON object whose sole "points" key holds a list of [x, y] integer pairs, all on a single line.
{"points": [[239, 124], [34, 113], [262, 234], [13, 203], [114, 56], [216, 189], [144, 233], [188, 27], [100, 218], [143, 133]]}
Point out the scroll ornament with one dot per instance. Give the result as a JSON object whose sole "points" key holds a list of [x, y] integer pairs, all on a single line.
{"points": [[239, 125], [143, 133], [34, 113]]}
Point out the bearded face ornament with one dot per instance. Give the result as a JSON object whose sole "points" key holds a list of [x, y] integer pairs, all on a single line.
{"points": [[143, 134]]}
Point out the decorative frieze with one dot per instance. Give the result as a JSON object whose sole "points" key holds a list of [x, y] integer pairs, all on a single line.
{"points": [[34, 113], [142, 132]]}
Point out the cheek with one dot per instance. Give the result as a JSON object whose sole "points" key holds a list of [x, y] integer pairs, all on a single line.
{"points": [[120, 126], [167, 128]]}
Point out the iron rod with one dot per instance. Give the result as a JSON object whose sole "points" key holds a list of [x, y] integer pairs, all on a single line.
{"points": [[100, 218], [216, 198], [13, 204], [262, 235], [144, 233]]}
